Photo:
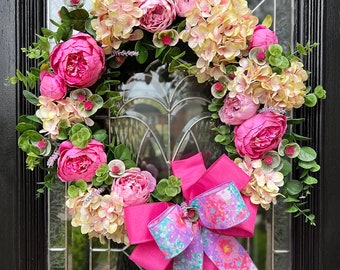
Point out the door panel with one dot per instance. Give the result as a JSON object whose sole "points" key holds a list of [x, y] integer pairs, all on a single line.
{"points": [[23, 242]]}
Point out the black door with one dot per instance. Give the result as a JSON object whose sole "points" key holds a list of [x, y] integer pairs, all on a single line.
{"points": [[23, 238]]}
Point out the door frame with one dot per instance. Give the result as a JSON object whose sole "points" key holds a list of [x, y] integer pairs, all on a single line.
{"points": [[23, 235]]}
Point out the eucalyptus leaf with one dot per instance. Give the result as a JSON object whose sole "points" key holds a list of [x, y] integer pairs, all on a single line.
{"points": [[294, 187], [307, 154], [291, 200], [31, 98], [292, 209], [307, 165], [309, 180]]}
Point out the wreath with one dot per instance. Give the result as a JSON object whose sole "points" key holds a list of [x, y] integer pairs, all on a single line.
{"points": [[191, 217]]}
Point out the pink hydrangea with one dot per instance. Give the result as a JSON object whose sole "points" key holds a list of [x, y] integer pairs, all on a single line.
{"points": [[134, 186]]}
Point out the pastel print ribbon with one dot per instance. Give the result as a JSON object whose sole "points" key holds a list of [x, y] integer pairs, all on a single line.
{"points": [[198, 184], [185, 241]]}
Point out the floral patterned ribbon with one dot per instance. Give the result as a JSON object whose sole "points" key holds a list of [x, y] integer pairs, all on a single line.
{"points": [[177, 237], [196, 181]]}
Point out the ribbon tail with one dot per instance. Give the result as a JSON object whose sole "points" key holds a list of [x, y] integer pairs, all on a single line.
{"points": [[192, 257], [149, 257], [226, 252]]}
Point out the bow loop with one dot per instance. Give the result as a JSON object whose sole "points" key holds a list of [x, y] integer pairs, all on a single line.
{"points": [[221, 207]]}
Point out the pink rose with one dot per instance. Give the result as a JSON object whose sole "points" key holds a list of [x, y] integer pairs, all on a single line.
{"points": [[79, 61], [157, 14], [80, 164], [237, 109], [52, 86], [260, 134], [134, 186], [184, 6], [263, 37]]}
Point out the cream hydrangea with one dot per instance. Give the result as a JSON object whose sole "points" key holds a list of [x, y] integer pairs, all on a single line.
{"points": [[53, 114], [99, 216], [264, 186], [218, 31], [57, 114], [115, 22], [286, 90]]}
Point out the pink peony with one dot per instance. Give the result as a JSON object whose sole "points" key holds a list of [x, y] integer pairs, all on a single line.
{"points": [[80, 164], [184, 6], [237, 109], [260, 134], [134, 186], [79, 60], [263, 37], [52, 86], [157, 14]]}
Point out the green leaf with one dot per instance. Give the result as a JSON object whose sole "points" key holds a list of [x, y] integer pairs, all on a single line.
{"points": [[129, 163], [100, 135], [230, 149], [310, 100], [294, 187], [72, 191], [122, 152], [21, 127], [301, 49], [307, 165], [291, 200], [320, 92], [310, 180], [78, 18], [172, 191], [12, 80], [299, 137], [286, 168], [220, 138], [88, 27], [275, 50], [31, 98], [307, 154], [80, 135], [316, 168], [292, 209], [275, 61], [213, 107], [268, 20], [284, 63], [162, 185], [142, 52], [159, 51], [223, 129], [33, 118]]}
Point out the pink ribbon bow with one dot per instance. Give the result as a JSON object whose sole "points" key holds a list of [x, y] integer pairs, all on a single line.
{"points": [[213, 234]]}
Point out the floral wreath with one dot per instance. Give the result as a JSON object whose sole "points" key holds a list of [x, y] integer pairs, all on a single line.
{"points": [[254, 85]]}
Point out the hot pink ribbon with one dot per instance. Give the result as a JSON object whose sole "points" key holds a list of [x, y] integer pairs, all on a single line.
{"points": [[195, 181]]}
